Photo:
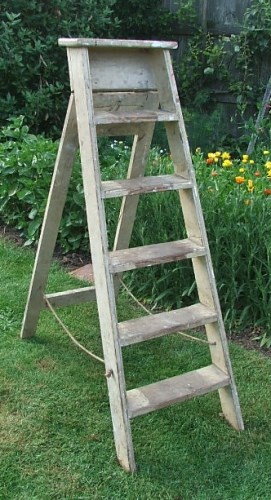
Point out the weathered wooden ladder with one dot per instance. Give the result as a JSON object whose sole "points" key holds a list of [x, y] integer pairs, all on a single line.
{"points": [[123, 87]]}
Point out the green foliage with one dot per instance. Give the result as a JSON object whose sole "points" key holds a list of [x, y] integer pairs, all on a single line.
{"points": [[236, 201], [202, 64], [230, 64], [258, 26], [26, 163], [143, 20], [34, 73]]}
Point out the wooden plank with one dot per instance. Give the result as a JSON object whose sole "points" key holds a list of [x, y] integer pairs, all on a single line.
{"points": [[55, 204], [124, 101], [137, 116], [82, 81], [164, 323], [119, 129], [71, 297], [174, 390], [151, 184], [112, 43], [121, 70], [150, 255]]}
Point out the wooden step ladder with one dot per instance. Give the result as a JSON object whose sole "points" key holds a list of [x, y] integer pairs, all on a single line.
{"points": [[123, 87]]}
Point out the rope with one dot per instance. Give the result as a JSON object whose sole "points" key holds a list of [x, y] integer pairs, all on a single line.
{"points": [[190, 337], [94, 356], [89, 353]]}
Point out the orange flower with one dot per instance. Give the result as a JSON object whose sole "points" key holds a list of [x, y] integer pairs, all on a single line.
{"points": [[209, 161], [257, 174], [214, 173], [239, 180], [267, 192]]}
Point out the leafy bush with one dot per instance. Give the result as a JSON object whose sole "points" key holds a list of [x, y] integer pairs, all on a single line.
{"points": [[143, 20], [26, 164], [34, 73]]}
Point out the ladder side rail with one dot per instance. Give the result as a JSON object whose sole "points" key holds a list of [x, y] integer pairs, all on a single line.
{"points": [[53, 213], [195, 227], [82, 84]]}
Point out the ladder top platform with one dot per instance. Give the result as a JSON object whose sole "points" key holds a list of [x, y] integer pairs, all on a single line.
{"points": [[108, 43]]}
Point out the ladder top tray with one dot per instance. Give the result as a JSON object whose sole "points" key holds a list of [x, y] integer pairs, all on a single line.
{"points": [[108, 43]]}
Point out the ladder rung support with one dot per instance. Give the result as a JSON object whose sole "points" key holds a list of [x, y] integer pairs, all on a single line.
{"points": [[150, 255], [140, 185], [71, 297], [174, 390], [139, 116], [157, 325]]}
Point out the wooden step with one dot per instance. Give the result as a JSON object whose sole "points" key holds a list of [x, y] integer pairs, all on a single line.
{"points": [[174, 390], [157, 325], [137, 116], [139, 185], [150, 255]]}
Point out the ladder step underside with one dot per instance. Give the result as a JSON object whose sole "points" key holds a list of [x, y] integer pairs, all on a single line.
{"points": [[137, 116], [174, 390], [140, 185], [157, 325], [150, 255]]}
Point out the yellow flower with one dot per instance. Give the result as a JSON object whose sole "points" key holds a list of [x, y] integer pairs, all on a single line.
{"points": [[217, 154], [211, 155], [251, 162], [227, 163], [239, 180], [244, 160], [250, 185], [216, 159], [241, 170], [245, 157], [269, 173], [266, 152], [268, 164], [198, 151], [226, 156]]}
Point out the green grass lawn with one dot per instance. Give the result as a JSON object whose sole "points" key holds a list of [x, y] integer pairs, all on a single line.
{"points": [[55, 427]]}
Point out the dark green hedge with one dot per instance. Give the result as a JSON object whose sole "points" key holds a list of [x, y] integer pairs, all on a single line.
{"points": [[34, 75]]}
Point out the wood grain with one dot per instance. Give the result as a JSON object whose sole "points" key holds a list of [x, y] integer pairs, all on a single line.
{"points": [[174, 390], [164, 323]]}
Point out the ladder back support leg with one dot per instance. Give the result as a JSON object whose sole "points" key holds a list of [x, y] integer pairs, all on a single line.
{"points": [[139, 156], [55, 204], [123, 87]]}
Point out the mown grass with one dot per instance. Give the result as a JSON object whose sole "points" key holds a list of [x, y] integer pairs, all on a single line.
{"points": [[56, 435]]}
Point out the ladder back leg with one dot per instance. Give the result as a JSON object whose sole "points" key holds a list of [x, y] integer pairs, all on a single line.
{"points": [[55, 204], [139, 156]]}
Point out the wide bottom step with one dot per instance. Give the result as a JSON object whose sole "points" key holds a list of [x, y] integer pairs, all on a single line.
{"points": [[174, 390]]}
